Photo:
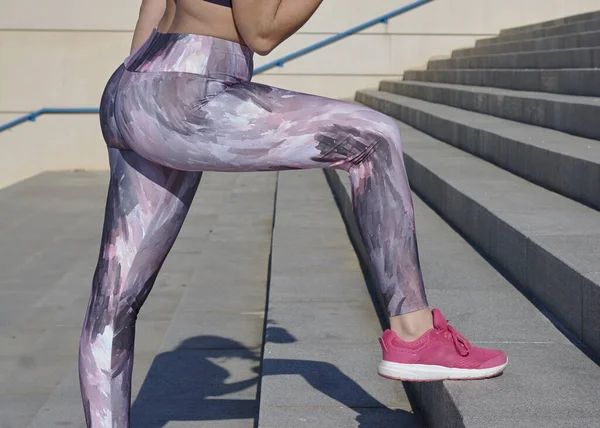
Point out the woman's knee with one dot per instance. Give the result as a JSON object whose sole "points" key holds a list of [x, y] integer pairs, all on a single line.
{"points": [[382, 130], [389, 129]]}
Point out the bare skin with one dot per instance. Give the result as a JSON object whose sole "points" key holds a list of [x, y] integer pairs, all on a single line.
{"points": [[262, 25]]}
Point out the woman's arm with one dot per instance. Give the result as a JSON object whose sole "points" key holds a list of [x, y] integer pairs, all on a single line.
{"points": [[264, 24], [151, 12]]}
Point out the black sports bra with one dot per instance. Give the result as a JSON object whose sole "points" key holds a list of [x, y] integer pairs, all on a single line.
{"points": [[226, 3]]}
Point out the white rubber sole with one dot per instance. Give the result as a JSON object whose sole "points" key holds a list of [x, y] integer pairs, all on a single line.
{"points": [[427, 373]]}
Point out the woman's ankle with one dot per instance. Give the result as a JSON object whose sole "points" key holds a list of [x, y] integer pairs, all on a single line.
{"points": [[409, 327]]}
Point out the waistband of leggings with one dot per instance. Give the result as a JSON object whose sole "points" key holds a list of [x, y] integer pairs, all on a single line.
{"points": [[192, 53]]}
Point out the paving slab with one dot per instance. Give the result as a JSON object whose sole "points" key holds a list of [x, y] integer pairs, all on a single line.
{"points": [[18, 410]]}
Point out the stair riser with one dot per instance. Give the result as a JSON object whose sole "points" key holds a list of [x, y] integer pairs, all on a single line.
{"points": [[569, 82], [575, 28], [571, 41], [572, 118], [544, 25], [570, 58], [572, 177]]}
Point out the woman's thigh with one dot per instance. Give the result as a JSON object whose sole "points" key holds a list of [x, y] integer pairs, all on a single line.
{"points": [[194, 123]]}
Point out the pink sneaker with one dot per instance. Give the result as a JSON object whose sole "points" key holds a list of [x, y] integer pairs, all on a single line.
{"points": [[440, 353]]}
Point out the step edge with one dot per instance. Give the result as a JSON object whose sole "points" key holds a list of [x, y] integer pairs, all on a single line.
{"points": [[489, 118], [538, 25]]}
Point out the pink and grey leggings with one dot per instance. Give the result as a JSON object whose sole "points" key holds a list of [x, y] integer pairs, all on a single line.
{"points": [[182, 104]]}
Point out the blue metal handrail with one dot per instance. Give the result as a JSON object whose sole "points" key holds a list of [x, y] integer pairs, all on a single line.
{"points": [[382, 19], [277, 63], [34, 114]]}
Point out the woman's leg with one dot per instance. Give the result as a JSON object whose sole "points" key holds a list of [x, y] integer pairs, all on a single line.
{"points": [[252, 127], [146, 206]]}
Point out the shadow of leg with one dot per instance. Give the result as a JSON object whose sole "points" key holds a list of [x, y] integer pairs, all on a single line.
{"points": [[180, 384], [331, 381]]}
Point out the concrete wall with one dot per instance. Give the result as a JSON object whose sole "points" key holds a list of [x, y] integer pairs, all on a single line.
{"points": [[60, 53]]}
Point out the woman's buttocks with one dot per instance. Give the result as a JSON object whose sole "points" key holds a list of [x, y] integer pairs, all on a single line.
{"points": [[158, 112]]}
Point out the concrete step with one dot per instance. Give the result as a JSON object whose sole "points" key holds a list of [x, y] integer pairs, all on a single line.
{"points": [[560, 58], [585, 82], [321, 351], [548, 381], [546, 242], [552, 23], [566, 113], [200, 333], [569, 41], [198, 336], [557, 30], [563, 163]]}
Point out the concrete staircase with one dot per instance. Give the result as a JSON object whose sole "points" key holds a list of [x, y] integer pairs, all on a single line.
{"points": [[263, 320], [501, 140]]}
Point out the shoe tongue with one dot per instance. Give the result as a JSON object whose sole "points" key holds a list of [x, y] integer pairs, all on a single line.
{"points": [[439, 322]]}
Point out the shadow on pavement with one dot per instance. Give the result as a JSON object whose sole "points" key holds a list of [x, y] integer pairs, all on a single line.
{"points": [[185, 385]]}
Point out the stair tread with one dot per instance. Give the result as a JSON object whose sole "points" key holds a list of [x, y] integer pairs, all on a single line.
{"points": [[559, 98], [552, 22], [585, 56], [533, 52], [587, 35], [561, 29], [549, 139], [572, 81]]}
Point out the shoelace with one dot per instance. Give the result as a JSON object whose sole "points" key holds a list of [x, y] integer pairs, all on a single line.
{"points": [[461, 343]]}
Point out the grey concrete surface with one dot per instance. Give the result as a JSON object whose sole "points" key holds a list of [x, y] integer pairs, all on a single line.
{"points": [[547, 381], [198, 336], [321, 350], [552, 23], [511, 221], [570, 28], [335, 417], [584, 82], [566, 113], [564, 163], [568, 41], [588, 57]]}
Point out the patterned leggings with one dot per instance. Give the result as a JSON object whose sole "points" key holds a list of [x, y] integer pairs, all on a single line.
{"points": [[182, 104]]}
